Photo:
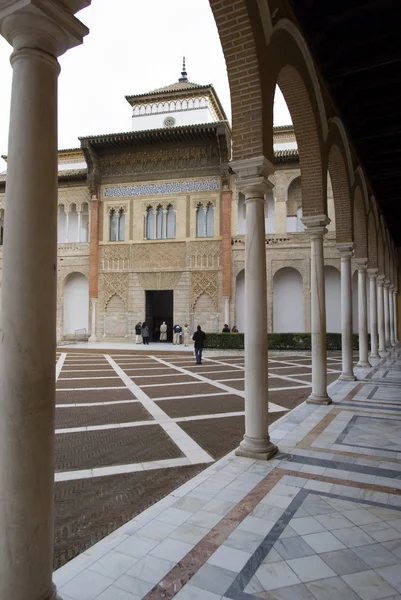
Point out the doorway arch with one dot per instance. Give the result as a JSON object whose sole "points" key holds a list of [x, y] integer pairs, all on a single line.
{"points": [[288, 301], [76, 303]]}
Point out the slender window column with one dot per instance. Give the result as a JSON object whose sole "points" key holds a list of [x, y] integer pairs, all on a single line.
{"points": [[164, 234], [374, 347], [380, 316], [361, 264], [252, 181], [38, 32], [67, 223], [386, 304], [93, 318], [79, 226], [145, 225], [391, 312], [395, 316], [316, 228], [346, 251]]}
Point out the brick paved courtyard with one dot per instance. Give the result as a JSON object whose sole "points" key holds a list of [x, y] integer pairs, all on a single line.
{"points": [[131, 426]]}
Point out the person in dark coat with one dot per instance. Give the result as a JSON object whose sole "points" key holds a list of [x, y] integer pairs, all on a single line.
{"points": [[145, 333], [138, 333], [226, 329], [199, 338]]}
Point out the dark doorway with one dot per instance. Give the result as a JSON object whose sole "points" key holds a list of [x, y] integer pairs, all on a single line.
{"points": [[159, 308]]}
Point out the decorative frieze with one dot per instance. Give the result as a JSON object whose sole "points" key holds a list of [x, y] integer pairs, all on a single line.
{"points": [[164, 188], [205, 282], [162, 280], [115, 257], [162, 255], [204, 254]]}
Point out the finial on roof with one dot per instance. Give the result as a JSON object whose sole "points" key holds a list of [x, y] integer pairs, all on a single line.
{"points": [[184, 75]]}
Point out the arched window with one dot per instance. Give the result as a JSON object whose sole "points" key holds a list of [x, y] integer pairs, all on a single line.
{"points": [[117, 225], [159, 223], [150, 224], [210, 220], [200, 221], [170, 222]]}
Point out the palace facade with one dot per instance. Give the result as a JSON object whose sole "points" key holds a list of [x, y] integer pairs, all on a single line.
{"points": [[151, 226]]}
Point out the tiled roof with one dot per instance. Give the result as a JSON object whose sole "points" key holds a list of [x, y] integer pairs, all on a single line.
{"points": [[178, 86], [286, 155]]}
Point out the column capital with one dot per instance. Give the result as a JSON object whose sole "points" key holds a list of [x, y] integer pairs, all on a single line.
{"points": [[380, 280], [252, 176], [361, 264], [316, 225], [387, 283], [346, 249], [392, 287], [34, 25], [372, 273]]}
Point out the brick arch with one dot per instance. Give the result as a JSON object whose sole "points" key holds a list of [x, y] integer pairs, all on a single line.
{"points": [[239, 49], [360, 179], [341, 193], [337, 134], [372, 242], [287, 63], [380, 252], [359, 225]]}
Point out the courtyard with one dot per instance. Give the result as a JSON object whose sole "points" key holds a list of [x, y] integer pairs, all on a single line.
{"points": [[133, 425]]}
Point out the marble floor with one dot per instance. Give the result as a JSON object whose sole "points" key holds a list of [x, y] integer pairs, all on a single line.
{"points": [[321, 520]]}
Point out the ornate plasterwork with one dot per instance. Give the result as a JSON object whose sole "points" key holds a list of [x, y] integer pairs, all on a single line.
{"points": [[160, 161], [161, 189], [114, 257], [237, 268], [115, 283], [204, 254], [166, 280], [159, 255], [155, 204], [73, 195], [205, 282]]}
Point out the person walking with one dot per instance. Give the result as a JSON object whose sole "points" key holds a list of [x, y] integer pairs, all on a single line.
{"points": [[138, 333], [145, 333], [163, 332], [199, 338], [176, 335], [186, 334]]}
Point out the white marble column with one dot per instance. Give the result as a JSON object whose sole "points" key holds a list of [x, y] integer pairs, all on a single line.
{"points": [[227, 310], [253, 183], [386, 306], [380, 316], [79, 226], [93, 336], [361, 264], [38, 32], [346, 251], [391, 312], [395, 315], [316, 228], [374, 347]]}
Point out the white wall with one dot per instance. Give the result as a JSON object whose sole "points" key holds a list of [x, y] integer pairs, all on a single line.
{"points": [[333, 299], [186, 117], [269, 213], [76, 303], [288, 301], [240, 301]]}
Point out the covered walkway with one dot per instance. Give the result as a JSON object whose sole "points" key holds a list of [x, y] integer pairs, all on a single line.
{"points": [[320, 520]]}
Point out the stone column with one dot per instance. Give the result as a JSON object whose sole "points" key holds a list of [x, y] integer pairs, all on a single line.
{"points": [[395, 316], [226, 203], [346, 251], [386, 306], [374, 348], [93, 337], [79, 226], [316, 228], [361, 264], [252, 181], [164, 233], [94, 261], [391, 311], [380, 316], [38, 32]]}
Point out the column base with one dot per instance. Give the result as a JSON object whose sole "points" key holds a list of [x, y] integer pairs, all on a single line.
{"points": [[363, 363], [373, 356], [323, 400], [347, 377], [256, 448], [382, 352], [92, 338]]}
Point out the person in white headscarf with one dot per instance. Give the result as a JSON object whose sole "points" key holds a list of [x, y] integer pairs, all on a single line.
{"points": [[163, 332]]}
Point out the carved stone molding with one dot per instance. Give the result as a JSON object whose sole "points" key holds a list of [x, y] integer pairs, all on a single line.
{"points": [[204, 254], [73, 195], [159, 255], [115, 284], [205, 282], [115, 257], [167, 280]]}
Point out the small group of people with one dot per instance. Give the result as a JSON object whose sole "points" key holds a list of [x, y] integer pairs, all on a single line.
{"points": [[142, 336], [226, 329], [141, 333], [179, 333]]}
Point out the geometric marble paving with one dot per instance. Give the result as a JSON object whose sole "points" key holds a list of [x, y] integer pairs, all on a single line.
{"points": [[372, 432]]}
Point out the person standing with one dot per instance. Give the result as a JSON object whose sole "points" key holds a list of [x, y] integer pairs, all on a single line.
{"points": [[163, 332], [234, 329], [176, 336], [138, 333], [186, 334], [199, 338], [226, 329], [145, 333]]}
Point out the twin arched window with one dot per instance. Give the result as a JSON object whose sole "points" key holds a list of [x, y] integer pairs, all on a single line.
{"points": [[117, 225], [205, 220], [160, 223]]}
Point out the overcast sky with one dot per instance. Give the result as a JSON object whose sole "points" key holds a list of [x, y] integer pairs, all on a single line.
{"points": [[133, 47]]}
